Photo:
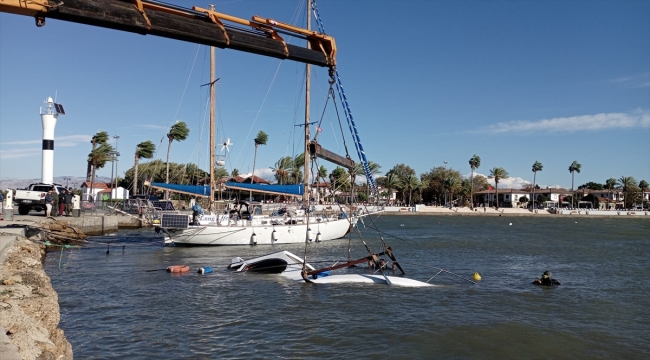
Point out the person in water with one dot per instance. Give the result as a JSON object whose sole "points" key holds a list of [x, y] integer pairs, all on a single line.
{"points": [[546, 279]]}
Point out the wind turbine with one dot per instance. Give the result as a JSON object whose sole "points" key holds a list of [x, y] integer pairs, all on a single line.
{"points": [[224, 145]]}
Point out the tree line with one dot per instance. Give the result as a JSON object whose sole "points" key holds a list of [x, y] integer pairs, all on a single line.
{"points": [[440, 185]]}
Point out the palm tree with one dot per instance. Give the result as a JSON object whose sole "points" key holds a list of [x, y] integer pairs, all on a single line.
{"points": [[97, 159], [143, 150], [260, 139], [450, 184], [234, 172], [178, 132], [97, 139], [537, 166], [411, 182], [424, 183], [340, 176], [625, 183], [610, 183], [296, 168], [574, 167], [498, 173], [474, 163], [281, 169], [391, 182], [643, 185], [374, 170]]}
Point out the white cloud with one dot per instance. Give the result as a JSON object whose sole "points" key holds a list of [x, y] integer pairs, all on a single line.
{"points": [[65, 141], [19, 153], [264, 173], [638, 119], [638, 80]]}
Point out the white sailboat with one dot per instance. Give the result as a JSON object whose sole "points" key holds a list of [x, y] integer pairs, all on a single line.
{"points": [[249, 226]]}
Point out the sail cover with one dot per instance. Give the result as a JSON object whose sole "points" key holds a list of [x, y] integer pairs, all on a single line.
{"points": [[198, 190], [293, 190], [204, 190]]}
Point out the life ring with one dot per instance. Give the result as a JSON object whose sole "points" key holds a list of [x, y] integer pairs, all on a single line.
{"points": [[178, 268]]}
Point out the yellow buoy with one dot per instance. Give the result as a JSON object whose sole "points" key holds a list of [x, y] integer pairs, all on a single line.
{"points": [[476, 276]]}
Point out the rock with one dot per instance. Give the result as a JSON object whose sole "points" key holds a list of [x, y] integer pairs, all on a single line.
{"points": [[29, 307]]}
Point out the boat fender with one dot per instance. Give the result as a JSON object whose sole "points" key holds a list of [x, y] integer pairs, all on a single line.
{"points": [[178, 269], [319, 237], [477, 276], [274, 236], [309, 234], [254, 239], [205, 270]]}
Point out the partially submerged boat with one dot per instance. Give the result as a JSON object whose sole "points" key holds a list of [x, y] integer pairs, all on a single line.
{"points": [[291, 266]]}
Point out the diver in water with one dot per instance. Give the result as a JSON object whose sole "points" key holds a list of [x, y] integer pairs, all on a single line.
{"points": [[546, 280]]}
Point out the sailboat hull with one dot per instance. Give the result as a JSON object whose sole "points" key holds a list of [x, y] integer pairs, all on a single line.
{"points": [[218, 235]]}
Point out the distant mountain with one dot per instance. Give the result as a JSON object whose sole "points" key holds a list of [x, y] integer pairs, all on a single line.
{"points": [[72, 181]]}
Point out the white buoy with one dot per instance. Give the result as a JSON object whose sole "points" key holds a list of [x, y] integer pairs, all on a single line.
{"points": [[49, 114], [510, 224], [274, 236], [319, 238], [254, 239]]}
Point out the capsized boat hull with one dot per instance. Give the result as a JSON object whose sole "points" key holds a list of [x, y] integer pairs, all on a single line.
{"points": [[219, 235], [290, 266], [368, 279]]}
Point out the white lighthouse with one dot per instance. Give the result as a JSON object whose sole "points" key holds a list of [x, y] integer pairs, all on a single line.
{"points": [[49, 114]]}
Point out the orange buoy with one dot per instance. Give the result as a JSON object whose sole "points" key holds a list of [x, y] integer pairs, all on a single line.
{"points": [[178, 268]]}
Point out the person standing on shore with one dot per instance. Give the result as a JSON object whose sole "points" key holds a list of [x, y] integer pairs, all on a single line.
{"points": [[62, 202], [68, 202], [48, 203], [55, 204]]}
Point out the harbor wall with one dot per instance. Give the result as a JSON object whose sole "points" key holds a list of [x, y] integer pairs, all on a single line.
{"points": [[29, 307], [94, 225]]}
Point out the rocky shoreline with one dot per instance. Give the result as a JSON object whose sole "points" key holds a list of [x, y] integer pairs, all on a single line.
{"points": [[29, 307]]}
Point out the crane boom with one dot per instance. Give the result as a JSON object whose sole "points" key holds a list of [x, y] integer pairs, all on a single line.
{"points": [[196, 25]]}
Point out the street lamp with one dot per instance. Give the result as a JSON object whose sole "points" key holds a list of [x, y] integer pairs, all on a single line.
{"points": [[117, 154], [66, 181]]}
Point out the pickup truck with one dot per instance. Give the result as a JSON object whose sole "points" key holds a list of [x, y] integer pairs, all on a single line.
{"points": [[33, 198]]}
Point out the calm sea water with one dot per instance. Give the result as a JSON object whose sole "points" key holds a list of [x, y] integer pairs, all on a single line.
{"points": [[112, 308]]}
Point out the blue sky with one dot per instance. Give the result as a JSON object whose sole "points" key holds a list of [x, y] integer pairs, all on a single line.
{"points": [[428, 81]]}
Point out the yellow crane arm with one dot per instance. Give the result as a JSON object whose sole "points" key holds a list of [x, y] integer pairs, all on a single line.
{"points": [[197, 25]]}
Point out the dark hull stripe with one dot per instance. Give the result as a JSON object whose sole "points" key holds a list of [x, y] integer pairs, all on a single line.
{"points": [[48, 144]]}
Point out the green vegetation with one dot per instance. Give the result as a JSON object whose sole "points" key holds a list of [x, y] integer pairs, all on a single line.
{"points": [[474, 163], [260, 139], [537, 166], [143, 150], [573, 168], [498, 173], [178, 132]]}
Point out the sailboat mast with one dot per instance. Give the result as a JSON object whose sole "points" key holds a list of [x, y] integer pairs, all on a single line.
{"points": [[212, 134], [305, 196]]}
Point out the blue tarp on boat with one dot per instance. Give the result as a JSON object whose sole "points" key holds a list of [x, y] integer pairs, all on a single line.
{"points": [[199, 190], [295, 190]]}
